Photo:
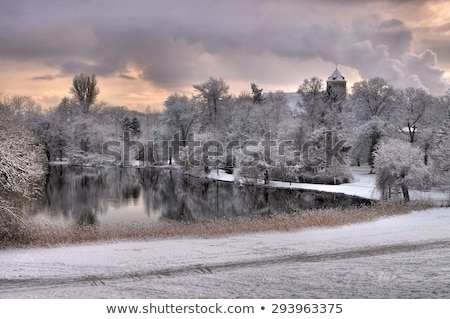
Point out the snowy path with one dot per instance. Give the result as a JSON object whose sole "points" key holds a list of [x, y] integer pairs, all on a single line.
{"points": [[399, 257]]}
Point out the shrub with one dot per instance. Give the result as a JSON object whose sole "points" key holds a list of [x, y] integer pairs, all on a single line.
{"points": [[398, 166]]}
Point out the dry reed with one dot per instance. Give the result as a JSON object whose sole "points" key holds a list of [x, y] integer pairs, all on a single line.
{"points": [[51, 235]]}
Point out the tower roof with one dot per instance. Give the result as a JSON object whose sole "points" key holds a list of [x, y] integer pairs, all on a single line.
{"points": [[336, 77]]}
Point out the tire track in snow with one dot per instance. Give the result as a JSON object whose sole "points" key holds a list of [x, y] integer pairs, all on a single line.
{"points": [[8, 285]]}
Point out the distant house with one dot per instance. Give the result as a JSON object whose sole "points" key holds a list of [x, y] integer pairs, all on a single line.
{"points": [[336, 83]]}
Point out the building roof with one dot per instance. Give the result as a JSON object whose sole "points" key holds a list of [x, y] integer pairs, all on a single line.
{"points": [[336, 77]]}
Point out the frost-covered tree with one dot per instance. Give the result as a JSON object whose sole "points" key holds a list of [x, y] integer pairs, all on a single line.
{"points": [[211, 93], [414, 106], [126, 123], [86, 136], [19, 106], [135, 127], [114, 115], [131, 125], [22, 172], [445, 103], [318, 156], [21, 162], [23, 110], [367, 137], [65, 110], [84, 90], [272, 113], [243, 123], [374, 97], [312, 104], [180, 116], [439, 154], [399, 165]]}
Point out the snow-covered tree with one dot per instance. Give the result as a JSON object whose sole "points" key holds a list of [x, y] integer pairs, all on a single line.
{"points": [[211, 94], [312, 103], [84, 90], [19, 106], [180, 116], [399, 165], [272, 113], [257, 93], [439, 154], [125, 123], [374, 97], [314, 154], [367, 137], [22, 171], [318, 154], [114, 115], [131, 125], [445, 103], [413, 109], [135, 127], [243, 123]]}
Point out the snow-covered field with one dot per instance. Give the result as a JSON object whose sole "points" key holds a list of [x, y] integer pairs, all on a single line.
{"points": [[399, 257]]}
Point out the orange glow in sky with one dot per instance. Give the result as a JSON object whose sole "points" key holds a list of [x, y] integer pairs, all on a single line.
{"points": [[144, 51]]}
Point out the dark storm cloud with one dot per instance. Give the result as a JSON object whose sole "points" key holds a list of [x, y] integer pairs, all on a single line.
{"points": [[127, 77], [46, 77], [393, 33], [44, 42], [178, 43], [163, 59]]}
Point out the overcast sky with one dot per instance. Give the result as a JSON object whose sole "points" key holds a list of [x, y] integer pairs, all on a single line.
{"points": [[143, 50]]}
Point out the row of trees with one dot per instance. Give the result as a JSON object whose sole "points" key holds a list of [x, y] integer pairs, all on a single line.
{"points": [[374, 120], [374, 113]]}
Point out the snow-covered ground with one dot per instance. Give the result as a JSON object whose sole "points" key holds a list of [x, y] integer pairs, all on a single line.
{"points": [[399, 257], [363, 186]]}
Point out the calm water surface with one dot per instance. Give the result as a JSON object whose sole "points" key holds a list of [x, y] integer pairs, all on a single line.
{"points": [[110, 196]]}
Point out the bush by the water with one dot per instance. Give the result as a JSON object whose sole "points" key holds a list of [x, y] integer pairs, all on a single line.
{"points": [[22, 175]]}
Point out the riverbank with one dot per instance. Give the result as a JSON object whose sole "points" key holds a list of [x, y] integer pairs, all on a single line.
{"points": [[393, 257], [36, 234]]}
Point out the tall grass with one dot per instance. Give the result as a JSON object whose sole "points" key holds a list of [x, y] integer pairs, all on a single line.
{"points": [[49, 235]]}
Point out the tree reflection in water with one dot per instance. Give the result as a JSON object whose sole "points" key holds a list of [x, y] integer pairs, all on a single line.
{"points": [[81, 195]]}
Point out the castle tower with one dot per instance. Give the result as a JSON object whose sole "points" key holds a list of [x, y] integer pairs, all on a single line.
{"points": [[336, 82]]}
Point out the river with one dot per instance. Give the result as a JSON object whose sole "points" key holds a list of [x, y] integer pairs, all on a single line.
{"points": [[111, 196]]}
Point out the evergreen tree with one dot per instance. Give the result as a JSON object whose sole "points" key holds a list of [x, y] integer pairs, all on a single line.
{"points": [[257, 94], [135, 127]]}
